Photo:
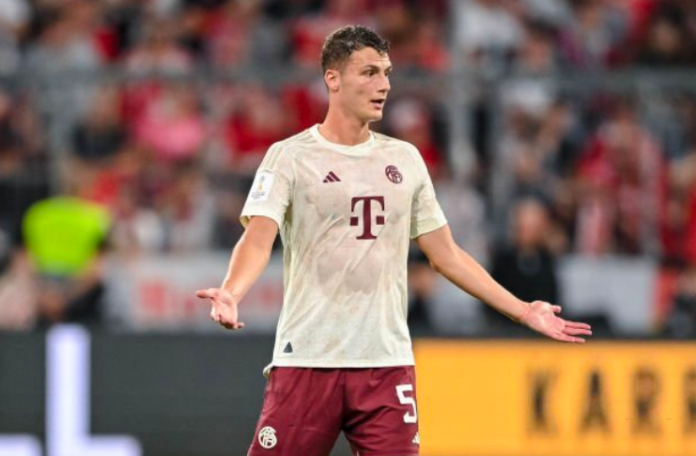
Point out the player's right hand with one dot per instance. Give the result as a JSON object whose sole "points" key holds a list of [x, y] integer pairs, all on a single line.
{"points": [[224, 307]]}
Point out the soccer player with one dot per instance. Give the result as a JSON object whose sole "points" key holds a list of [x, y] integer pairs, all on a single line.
{"points": [[346, 201]]}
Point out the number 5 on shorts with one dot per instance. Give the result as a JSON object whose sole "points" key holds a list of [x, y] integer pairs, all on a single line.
{"points": [[407, 400]]}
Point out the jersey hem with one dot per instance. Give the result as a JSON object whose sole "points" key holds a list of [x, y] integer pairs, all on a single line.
{"points": [[340, 365], [361, 364]]}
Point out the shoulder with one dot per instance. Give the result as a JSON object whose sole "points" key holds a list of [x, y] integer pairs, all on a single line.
{"points": [[287, 148], [296, 142], [390, 144], [384, 141]]}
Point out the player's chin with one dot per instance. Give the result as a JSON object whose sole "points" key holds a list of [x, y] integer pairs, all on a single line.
{"points": [[374, 115]]}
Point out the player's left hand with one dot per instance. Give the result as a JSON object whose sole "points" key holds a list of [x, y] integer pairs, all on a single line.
{"points": [[541, 317]]}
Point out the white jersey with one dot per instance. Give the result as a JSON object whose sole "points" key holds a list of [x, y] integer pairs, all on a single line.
{"points": [[345, 214]]}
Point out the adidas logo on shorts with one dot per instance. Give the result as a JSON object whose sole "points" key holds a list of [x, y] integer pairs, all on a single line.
{"points": [[416, 439]]}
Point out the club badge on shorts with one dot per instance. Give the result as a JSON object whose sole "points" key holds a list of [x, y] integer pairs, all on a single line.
{"points": [[267, 437]]}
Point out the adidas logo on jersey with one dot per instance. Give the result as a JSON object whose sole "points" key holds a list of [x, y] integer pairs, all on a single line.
{"points": [[288, 348], [331, 177], [416, 439]]}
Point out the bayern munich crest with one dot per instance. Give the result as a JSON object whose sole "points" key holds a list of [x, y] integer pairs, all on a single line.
{"points": [[267, 437], [393, 174]]}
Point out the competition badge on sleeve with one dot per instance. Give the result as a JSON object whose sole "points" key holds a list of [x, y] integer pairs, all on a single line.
{"points": [[262, 186]]}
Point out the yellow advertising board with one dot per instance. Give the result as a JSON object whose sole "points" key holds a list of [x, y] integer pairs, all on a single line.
{"points": [[493, 398]]}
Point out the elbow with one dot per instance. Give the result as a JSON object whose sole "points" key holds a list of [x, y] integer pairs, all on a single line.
{"points": [[445, 260], [437, 264]]}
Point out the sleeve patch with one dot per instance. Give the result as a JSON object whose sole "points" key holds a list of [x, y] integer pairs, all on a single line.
{"points": [[261, 188]]}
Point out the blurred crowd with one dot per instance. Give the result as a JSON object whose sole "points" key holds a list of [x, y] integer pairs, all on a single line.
{"points": [[133, 127]]}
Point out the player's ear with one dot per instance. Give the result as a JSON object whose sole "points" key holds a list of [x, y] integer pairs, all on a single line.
{"points": [[332, 78]]}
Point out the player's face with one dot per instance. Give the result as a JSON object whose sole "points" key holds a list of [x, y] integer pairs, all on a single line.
{"points": [[364, 84]]}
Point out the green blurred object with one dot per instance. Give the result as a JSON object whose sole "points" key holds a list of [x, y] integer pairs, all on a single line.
{"points": [[63, 234]]}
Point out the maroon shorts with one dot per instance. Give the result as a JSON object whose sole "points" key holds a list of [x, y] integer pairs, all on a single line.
{"points": [[304, 410]]}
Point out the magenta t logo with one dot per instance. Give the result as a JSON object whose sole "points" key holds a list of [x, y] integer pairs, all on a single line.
{"points": [[366, 215]]}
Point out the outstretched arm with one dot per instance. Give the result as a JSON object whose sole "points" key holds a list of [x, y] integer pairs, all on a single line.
{"points": [[465, 272], [249, 258]]}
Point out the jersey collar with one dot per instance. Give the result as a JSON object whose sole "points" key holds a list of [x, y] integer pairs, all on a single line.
{"points": [[356, 150]]}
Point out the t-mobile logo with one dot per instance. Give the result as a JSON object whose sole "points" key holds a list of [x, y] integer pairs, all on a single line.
{"points": [[366, 214]]}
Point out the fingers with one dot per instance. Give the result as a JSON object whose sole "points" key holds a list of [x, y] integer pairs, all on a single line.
{"points": [[218, 318], [232, 326], [556, 309], [220, 302], [577, 331], [566, 338], [575, 324], [207, 293]]}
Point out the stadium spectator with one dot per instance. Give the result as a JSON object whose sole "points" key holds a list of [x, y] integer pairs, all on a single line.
{"points": [[158, 50], [64, 237], [23, 173], [596, 33], [255, 123], [241, 35], [291, 10], [622, 178], [14, 15], [670, 21], [486, 31], [526, 266], [187, 210], [101, 133], [64, 42], [552, 13], [14, 18], [18, 291], [429, 51], [137, 230], [306, 101], [533, 62], [681, 322], [65, 47], [678, 223], [663, 45], [171, 125]]}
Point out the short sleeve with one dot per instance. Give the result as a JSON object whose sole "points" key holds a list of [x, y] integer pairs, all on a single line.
{"points": [[271, 192], [426, 214]]}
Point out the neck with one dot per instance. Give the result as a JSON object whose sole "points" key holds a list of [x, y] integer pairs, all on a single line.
{"points": [[340, 128]]}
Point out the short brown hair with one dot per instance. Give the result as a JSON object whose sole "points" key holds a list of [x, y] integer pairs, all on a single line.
{"points": [[340, 44]]}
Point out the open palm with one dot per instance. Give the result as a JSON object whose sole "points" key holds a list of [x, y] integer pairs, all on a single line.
{"points": [[541, 317]]}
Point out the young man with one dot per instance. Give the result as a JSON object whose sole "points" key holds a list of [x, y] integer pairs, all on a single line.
{"points": [[346, 201]]}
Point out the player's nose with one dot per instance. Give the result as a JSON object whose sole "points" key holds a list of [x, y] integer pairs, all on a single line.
{"points": [[386, 85]]}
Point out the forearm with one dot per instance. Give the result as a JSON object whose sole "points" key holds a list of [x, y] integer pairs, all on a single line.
{"points": [[248, 261], [466, 273]]}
